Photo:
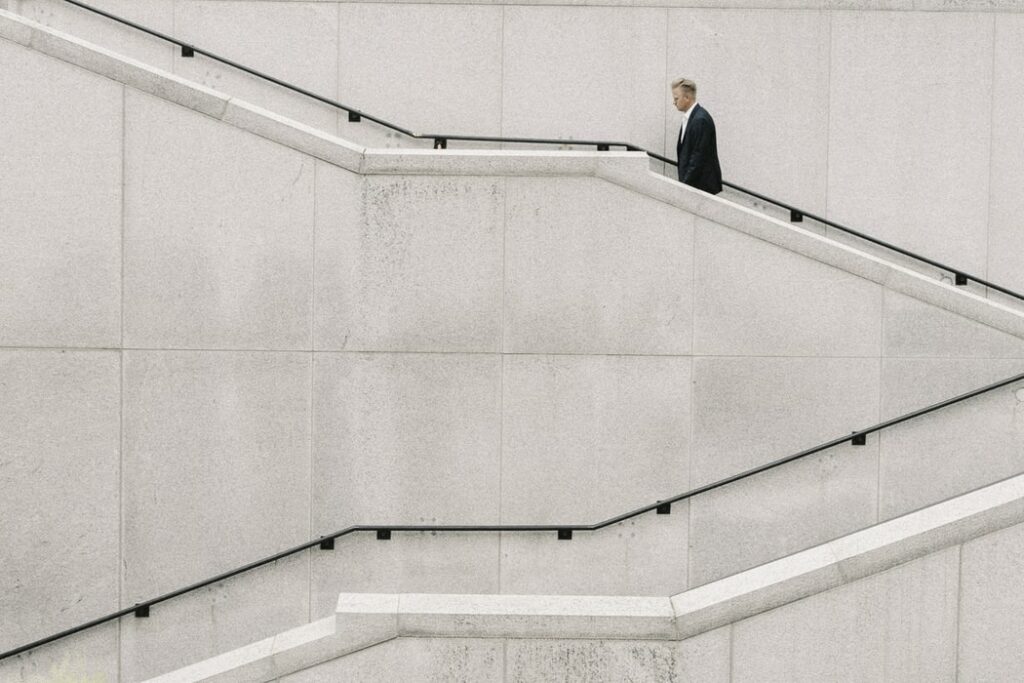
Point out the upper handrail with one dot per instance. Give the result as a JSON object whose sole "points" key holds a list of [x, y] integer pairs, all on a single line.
{"points": [[960, 276], [564, 531]]}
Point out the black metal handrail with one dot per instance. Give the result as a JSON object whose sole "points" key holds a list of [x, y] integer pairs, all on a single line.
{"points": [[797, 215], [564, 531], [960, 277]]}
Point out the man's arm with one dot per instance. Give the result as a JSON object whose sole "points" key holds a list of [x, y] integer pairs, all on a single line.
{"points": [[700, 129]]}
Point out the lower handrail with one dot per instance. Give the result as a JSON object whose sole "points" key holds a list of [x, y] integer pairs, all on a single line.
{"points": [[564, 531]]}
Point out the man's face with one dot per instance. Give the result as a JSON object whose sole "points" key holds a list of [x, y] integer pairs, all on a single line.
{"points": [[682, 99]]}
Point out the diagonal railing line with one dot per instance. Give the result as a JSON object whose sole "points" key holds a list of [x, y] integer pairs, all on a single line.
{"points": [[563, 530], [961, 277]]}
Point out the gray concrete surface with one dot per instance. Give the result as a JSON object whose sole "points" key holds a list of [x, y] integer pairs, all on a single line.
{"points": [[60, 493], [595, 269], [573, 423], [900, 625], [411, 263], [221, 363], [991, 604], [213, 259], [62, 195]]}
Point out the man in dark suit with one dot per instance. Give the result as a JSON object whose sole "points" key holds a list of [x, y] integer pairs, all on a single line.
{"points": [[696, 147]]}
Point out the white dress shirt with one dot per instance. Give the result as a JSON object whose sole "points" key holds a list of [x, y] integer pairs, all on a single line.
{"points": [[686, 120]]}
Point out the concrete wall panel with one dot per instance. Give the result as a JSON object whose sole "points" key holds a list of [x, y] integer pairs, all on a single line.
{"points": [[426, 67], [214, 620], [155, 14], [59, 492], [913, 328], [751, 298], [957, 449], [430, 660], [643, 556], [408, 563], [585, 73], [704, 658], [60, 203], [899, 625], [594, 268], [218, 234], [1006, 230], [782, 511], [750, 411], [764, 77], [910, 132], [605, 434], [296, 42], [992, 608], [217, 460], [406, 439], [89, 656], [408, 263]]}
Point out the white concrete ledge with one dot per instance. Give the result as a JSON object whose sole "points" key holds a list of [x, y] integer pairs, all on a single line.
{"points": [[534, 616], [285, 653], [849, 558], [1008, 6], [499, 162], [298, 136]]}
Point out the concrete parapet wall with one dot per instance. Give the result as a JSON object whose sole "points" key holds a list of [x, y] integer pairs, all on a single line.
{"points": [[905, 600], [895, 116], [231, 334]]}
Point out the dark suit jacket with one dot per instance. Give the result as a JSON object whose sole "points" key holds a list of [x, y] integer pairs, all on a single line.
{"points": [[698, 153]]}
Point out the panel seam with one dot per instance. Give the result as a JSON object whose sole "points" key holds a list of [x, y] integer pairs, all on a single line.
{"points": [[991, 151], [120, 401], [312, 380], [732, 651], [339, 122], [501, 371], [881, 380], [174, 31], [664, 121], [501, 75], [693, 380], [959, 601], [828, 113]]}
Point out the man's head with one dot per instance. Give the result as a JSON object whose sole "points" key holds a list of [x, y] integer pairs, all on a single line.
{"points": [[684, 93]]}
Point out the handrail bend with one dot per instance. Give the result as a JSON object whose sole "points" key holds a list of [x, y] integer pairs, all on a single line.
{"points": [[564, 531], [441, 140]]}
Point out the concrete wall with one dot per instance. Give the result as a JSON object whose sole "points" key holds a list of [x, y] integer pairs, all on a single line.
{"points": [[893, 116], [220, 347]]}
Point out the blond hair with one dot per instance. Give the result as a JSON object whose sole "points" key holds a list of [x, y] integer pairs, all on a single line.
{"points": [[686, 85]]}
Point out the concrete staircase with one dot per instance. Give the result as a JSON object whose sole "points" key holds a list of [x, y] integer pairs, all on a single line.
{"points": [[602, 337]]}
